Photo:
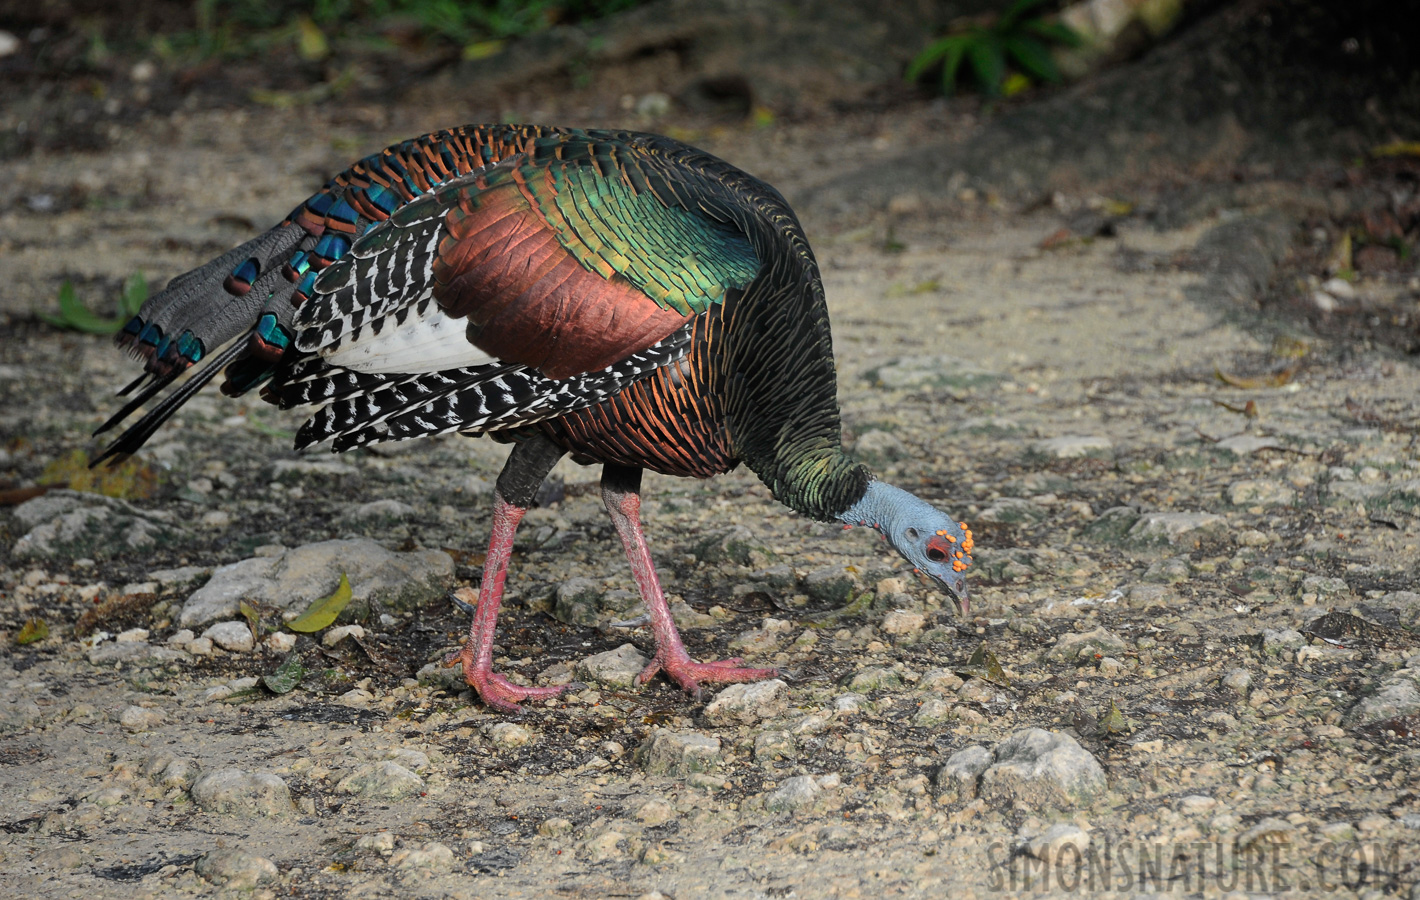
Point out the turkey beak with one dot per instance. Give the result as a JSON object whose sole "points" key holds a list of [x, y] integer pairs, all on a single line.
{"points": [[961, 601]]}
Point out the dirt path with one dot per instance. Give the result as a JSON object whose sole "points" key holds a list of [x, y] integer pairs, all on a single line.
{"points": [[1152, 564]]}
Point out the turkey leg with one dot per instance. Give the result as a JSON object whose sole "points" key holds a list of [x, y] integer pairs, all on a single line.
{"points": [[621, 487], [527, 466]]}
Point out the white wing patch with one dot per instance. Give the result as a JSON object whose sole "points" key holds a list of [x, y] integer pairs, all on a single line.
{"points": [[431, 343]]}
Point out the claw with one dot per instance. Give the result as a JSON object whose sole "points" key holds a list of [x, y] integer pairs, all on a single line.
{"points": [[495, 690], [689, 674]]}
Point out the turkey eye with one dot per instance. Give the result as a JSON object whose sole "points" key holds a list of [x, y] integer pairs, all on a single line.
{"points": [[935, 555]]}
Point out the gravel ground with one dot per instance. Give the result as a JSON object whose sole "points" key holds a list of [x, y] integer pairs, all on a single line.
{"points": [[1201, 593]]}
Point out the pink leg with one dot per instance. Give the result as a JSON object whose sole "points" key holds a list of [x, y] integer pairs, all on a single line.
{"points": [[476, 655], [620, 492]]}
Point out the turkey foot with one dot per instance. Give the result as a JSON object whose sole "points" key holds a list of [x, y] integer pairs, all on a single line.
{"points": [[495, 690], [688, 673]]}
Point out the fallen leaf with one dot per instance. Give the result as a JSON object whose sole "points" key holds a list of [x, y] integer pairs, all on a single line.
{"points": [[324, 611], [1276, 379], [34, 630], [286, 676], [984, 664]]}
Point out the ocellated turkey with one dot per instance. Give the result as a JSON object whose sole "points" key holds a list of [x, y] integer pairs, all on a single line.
{"points": [[621, 297]]}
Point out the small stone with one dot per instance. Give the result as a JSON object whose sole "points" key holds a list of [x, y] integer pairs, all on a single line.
{"points": [[1074, 446], [1260, 493], [242, 793], [1043, 769], [554, 827], [356, 697], [616, 668], [793, 793], [655, 812], [432, 856], [1065, 842], [132, 635], [377, 510], [280, 641], [1399, 695], [941, 680], [847, 704], [229, 689], [381, 842], [958, 777], [832, 585], [201, 646], [1281, 641], [1268, 831], [873, 679], [385, 781], [137, 718], [411, 759], [933, 711], [903, 621], [1238, 681], [1177, 529], [771, 746], [677, 753], [234, 637], [340, 632], [509, 734], [603, 846], [577, 601], [1077, 647], [1196, 804], [170, 771], [749, 703], [236, 869]]}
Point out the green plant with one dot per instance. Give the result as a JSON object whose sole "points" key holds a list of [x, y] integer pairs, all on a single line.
{"points": [[73, 315], [1013, 40]]}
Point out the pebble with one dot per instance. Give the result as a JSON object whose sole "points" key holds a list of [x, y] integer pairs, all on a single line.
{"points": [[602, 846], [793, 793], [903, 621], [1064, 843], [1178, 529], [958, 778], [235, 686], [137, 718], [933, 711], [1076, 646], [1042, 769], [943, 680], [749, 703], [1399, 695], [170, 771], [242, 793], [1268, 831], [381, 842], [231, 636], [236, 869], [1074, 446], [847, 704], [1260, 493], [280, 641], [681, 753], [1196, 804], [655, 812], [615, 668], [339, 633], [873, 679], [554, 827], [509, 734], [386, 780], [433, 856], [1278, 641], [577, 601], [832, 585], [1238, 681]]}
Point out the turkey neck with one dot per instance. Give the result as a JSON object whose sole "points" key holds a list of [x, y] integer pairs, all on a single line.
{"points": [[776, 364]]}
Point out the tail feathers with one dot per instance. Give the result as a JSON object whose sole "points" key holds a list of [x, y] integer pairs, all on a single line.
{"points": [[211, 304], [159, 382], [138, 433]]}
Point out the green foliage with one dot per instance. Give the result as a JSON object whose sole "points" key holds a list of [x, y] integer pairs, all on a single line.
{"points": [[1013, 41], [238, 28], [73, 315]]}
